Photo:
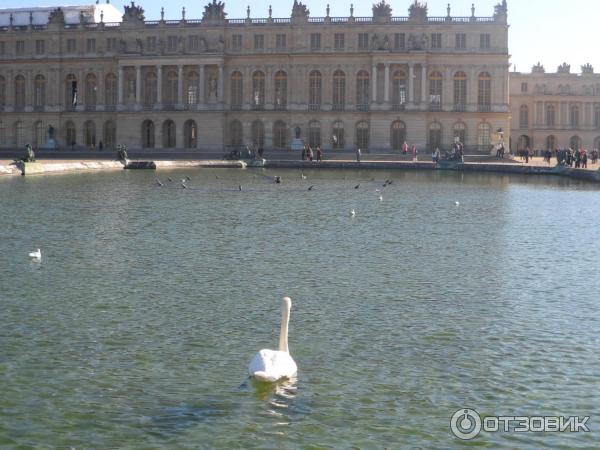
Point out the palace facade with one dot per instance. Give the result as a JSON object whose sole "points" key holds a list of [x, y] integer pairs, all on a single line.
{"points": [[555, 110], [84, 78]]}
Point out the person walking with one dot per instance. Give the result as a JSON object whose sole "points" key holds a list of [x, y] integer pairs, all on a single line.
{"points": [[358, 155], [310, 153], [414, 152], [303, 153], [319, 154], [404, 148]]}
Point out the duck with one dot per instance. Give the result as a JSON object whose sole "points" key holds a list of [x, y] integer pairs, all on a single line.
{"points": [[36, 255]]}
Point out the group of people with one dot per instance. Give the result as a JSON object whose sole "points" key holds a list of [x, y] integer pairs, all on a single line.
{"points": [[413, 150], [577, 158], [308, 154]]}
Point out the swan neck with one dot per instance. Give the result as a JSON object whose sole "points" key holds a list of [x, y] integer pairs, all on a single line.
{"points": [[283, 333]]}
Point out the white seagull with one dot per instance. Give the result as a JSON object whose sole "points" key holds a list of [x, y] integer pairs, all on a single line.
{"points": [[457, 203], [36, 255], [353, 213], [273, 365]]}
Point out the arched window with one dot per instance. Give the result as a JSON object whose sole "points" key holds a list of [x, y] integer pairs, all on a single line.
{"points": [[483, 136], [337, 135], [2, 92], [169, 134], [523, 142], [258, 134], [39, 92], [71, 92], [148, 134], [435, 135], [550, 143], [398, 90], [279, 134], [110, 91], [236, 133], [109, 135], [484, 93], [362, 135], [460, 132], [150, 90], [19, 92], [70, 134], [314, 134], [89, 133], [237, 90], [91, 87], [574, 116], [575, 142], [258, 90], [39, 134], [339, 90], [460, 92], [190, 134], [191, 88], [550, 116], [398, 134], [524, 117], [435, 91], [314, 91], [362, 91], [281, 90], [18, 137], [597, 117], [2, 133], [171, 90]]}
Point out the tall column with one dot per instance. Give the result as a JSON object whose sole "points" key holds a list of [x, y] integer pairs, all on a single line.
{"points": [[411, 83], [100, 91], [180, 86], [220, 84], [374, 87], [120, 86], [159, 83], [201, 84], [386, 86], [534, 119], [424, 85], [138, 86]]}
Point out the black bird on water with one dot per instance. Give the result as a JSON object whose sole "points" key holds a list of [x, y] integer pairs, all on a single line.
{"points": [[183, 185], [357, 186], [158, 182], [169, 178], [310, 188]]}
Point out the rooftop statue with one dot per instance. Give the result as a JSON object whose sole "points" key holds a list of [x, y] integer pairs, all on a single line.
{"points": [[587, 68], [564, 68], [538, 68], [382, 10], [299, 10], [133, 13], [418, 11], [214, 12], [57, 17]]}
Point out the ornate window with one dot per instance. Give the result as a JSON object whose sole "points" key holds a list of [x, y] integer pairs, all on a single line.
{"points": [[362, 135], [575, 142], [89, 134], [190, 134], [150, 90], [19, 92], [191, 88], [71, 92], [110, 90], [483, 136], [236, 133], [171, 91], [148, 134], [39, 92], [258, 134], [91, 88], [550, 116], [460, 91], [460, 132], [484, 94], [434, 137], [435, 91], [70, 134], [524, 117], [550, 142], [169, 138], [314, 134], [18, 136], [362, 91], [237, 90], [258, 90], [39, 134], [314, 91], [398, 90], [339, 90], [109, 135], [281, 90], [337, 136], [279, 134], [398, 134], [574, 116]]}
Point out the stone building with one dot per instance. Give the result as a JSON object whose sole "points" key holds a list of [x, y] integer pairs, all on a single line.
{"points": [[552, 110], [345, 82]]}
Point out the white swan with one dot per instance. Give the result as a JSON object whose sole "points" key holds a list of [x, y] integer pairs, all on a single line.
{"points": [[36, 255], [353, 213], [272, 365]]}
